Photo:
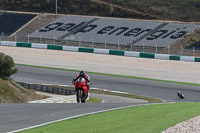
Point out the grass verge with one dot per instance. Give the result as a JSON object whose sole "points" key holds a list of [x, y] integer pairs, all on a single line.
{"points": [[114, 75], [95, 91], [94, 100], [140, 119], [149, 99]]}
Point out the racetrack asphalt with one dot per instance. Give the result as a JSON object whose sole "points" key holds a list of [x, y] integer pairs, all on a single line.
{"points": [[161, 90], [18, 116]]}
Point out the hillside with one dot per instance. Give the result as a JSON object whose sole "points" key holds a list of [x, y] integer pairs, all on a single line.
{"points": [[10, 93], [181, 10]]}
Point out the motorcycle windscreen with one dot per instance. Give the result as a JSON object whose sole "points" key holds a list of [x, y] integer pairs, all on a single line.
{"points": [[80, 80]]}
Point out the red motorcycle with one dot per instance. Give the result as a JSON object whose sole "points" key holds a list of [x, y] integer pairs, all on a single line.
{"points": [[81, 87]]}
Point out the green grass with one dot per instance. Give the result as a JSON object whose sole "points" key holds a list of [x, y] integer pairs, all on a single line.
{"points": [[140, 119], [7, 94], [149, 99], [94, 100], [114, 75]]}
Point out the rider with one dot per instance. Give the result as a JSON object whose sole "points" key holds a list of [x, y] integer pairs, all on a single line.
{"points": [[87, 78]]}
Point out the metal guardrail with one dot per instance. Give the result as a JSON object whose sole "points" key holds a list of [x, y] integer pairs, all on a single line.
{"points": [[46, 88]]}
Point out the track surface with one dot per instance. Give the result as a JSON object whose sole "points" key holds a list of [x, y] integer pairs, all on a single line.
{"points": [[165, 91], [17, 116]]}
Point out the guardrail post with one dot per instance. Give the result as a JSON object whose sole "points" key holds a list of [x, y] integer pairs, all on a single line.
{"points": [[22, 84], [41, 87], [28, 86], [57, 90], [46, 88]]}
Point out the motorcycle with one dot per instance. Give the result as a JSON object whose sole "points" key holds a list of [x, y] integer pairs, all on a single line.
{"points": [[180, 95], [81, 88]]}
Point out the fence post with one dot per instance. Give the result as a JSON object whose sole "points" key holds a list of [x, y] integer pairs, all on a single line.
{"points": [[79, 42], [54, 39], [66, 42], [105, 43], [40, 38], [118, 44], [168, 49], [28, 38], [156, 48], [131, 46], [143, 48], [92, 43], [193, 51], [181, 50], [2, 34], [15, 37]]}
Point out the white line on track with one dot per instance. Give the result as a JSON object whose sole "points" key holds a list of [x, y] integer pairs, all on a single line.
{"points": [[79, 116], [85, 113], [101, 90]]}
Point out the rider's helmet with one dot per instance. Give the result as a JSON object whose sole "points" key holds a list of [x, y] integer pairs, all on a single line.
{"points": [[82, 73]]}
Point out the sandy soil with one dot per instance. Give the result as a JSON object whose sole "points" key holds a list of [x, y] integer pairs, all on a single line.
{"points": [[150, 68]]}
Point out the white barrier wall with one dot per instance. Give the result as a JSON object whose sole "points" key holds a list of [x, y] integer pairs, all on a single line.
{"points": [[187, 58], [70, 48], [38, 45], [132, 54], [162, 56], [8, 43], [101, 51]]}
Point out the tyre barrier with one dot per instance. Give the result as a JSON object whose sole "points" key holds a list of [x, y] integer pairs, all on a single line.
{"points": [[101, 51], [46, 88]]}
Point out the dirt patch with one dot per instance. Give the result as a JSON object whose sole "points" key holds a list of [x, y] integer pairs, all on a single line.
{"points": [[12, 93]]}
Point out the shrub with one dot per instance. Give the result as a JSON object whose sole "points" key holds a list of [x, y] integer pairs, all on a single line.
{"points": [[198, 30], [110, 9], [194, 39], [7, 66]]}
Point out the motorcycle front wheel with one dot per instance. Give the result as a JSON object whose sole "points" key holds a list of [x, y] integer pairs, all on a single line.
{"points": [[79, 94]]}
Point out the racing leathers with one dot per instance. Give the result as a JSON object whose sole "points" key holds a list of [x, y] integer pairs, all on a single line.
{"points": [[86, 77]]}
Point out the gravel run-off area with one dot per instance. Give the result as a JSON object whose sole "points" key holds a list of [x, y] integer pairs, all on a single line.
{"points": [[189, 126]]}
